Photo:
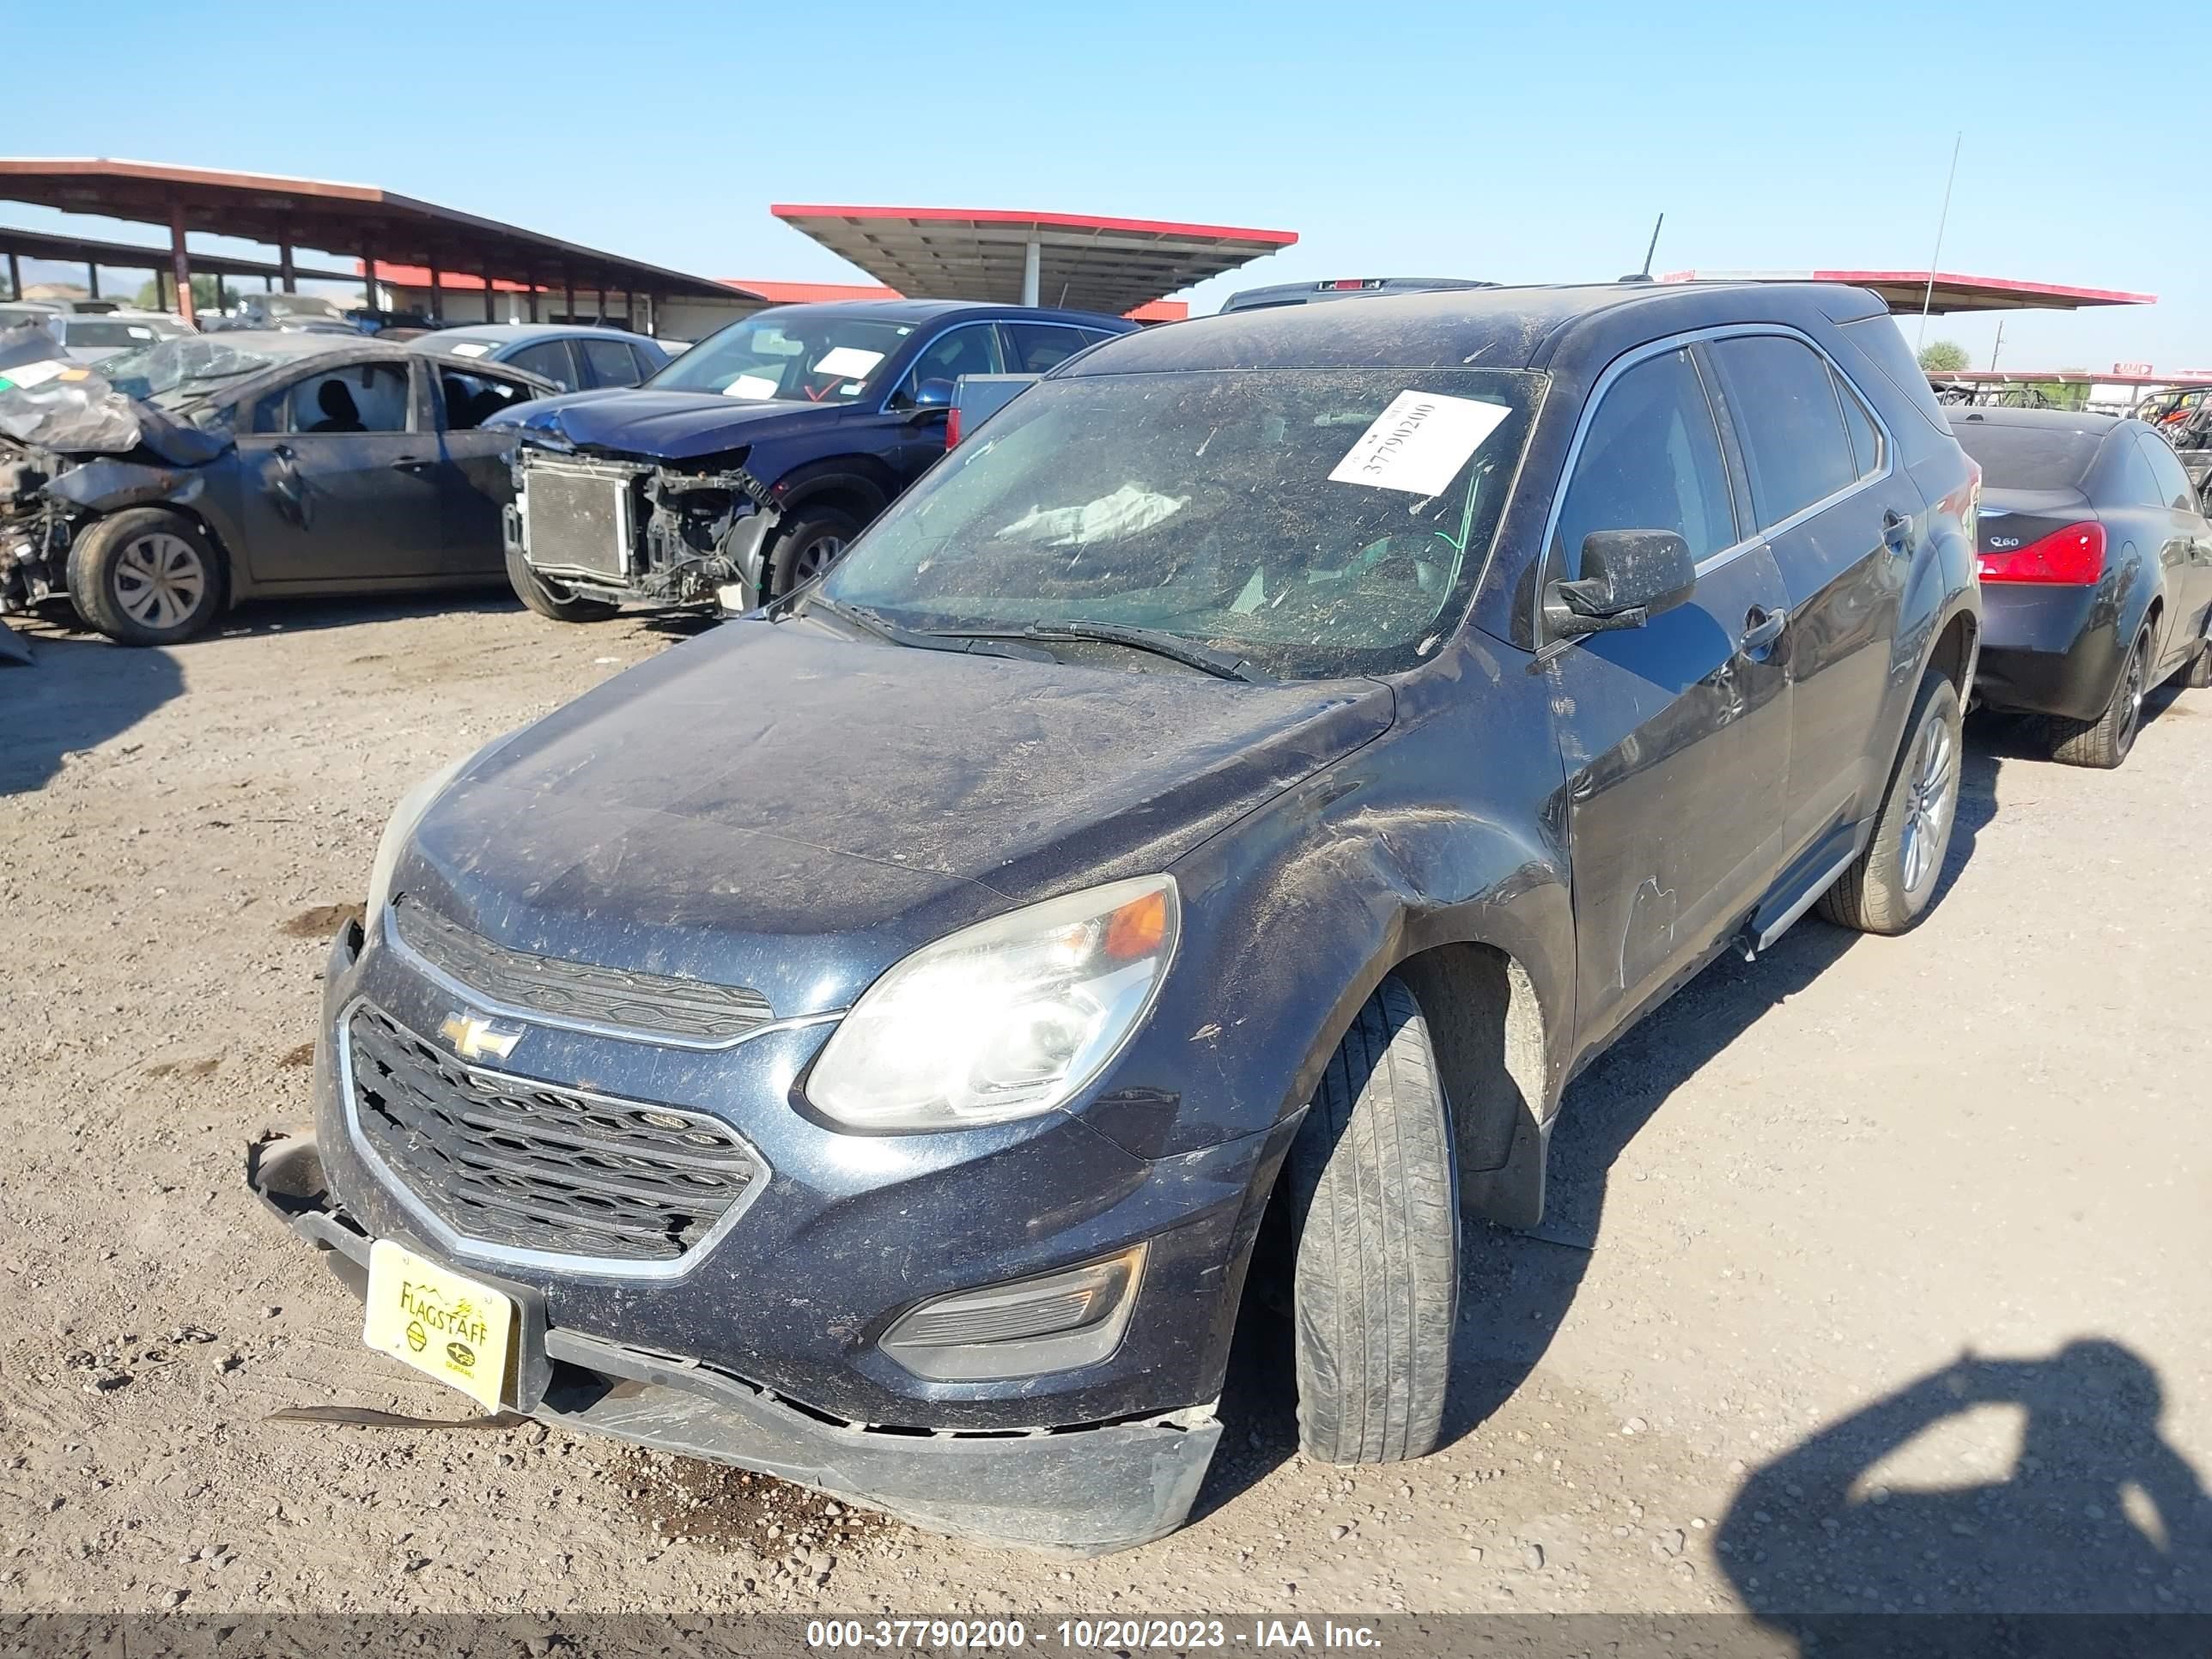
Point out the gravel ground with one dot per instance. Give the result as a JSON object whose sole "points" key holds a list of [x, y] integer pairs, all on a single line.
{"points": [[1875, 1276]]}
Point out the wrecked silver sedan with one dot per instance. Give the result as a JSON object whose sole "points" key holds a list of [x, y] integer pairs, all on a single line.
{"points": [[149, 495]]}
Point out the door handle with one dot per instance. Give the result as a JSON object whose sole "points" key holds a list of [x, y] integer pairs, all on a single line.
{"points": [[411, 464], [1762, 628], [1896, 531], [285, 453]]}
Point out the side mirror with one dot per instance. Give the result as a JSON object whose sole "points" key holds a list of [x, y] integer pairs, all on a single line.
{"points": [[1629, 576], [932, 397]]}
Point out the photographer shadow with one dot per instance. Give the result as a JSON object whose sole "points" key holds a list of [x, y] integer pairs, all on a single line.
{"points": [[2098, 1513]]}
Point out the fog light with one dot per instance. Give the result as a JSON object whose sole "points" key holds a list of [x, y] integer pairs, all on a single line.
{"points": [[1055, 1322]]}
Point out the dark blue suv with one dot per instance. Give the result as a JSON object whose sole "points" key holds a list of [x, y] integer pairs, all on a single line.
{"points": [[746, 465]]}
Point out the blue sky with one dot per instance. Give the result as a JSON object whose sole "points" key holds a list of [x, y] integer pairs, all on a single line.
{"points": [[1522, 143]]}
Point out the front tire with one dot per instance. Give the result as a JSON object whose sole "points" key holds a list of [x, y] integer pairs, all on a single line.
{"points": [[809, 545], [1891, 883], [1374, 1215], [2104, 742], [146, 576], [548, 599]]}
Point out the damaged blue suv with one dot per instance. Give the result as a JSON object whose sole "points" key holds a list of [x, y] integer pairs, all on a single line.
{"points": [[1187, 843]]}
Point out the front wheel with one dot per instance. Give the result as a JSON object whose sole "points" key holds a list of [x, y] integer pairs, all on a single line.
{"points": [[146, 576], [548, 599], [2104, 742], [816, 540], [1891, 883], [1374, 1211]]}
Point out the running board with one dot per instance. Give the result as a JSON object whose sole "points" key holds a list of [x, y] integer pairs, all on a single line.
{"points": [[1755, 937]]}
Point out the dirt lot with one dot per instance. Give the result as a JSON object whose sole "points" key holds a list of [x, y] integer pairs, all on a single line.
{"points": [[1876, 1275]]}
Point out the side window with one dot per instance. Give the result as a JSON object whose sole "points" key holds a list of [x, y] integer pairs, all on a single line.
{"points": [[2139, 482], [2172, 477], [550, 358], [972, 349], [1792, 426], [471, 399], [1092, 336], [609, 362], [1866, 436], [269, 410], [1039, 346], [359, 398], [647, 364], [1651, 459]]}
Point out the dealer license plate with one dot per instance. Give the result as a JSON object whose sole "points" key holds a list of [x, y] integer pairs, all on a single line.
{"points": [[443, 1324]]}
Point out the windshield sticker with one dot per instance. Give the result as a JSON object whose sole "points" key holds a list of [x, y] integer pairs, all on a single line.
{"points": [[26, 375], [1126, 511], [468, 348], [847, 362], [1419, 443], [749, 386]]}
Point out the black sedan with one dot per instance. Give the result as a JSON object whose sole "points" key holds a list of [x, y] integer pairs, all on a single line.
{"points": [[2096, 568], [175, 481]]}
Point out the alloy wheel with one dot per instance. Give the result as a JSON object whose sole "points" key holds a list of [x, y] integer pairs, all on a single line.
{"points": [[1933, 785], [816, 556], [2133, 685], [160, 580]]}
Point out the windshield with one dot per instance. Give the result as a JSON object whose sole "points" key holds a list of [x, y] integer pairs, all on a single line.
{"points": [[2029, 457], [1316, 522], [799, 355], [173, 373]]}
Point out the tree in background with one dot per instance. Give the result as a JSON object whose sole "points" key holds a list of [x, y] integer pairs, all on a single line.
{"points": [[148, 297], [1943, 357]]}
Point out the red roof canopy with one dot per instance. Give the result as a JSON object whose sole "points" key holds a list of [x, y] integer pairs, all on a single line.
{"points": [[1904, 291], [1091, 264]]}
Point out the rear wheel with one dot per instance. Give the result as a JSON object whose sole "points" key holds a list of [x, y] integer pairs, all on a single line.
{"points": [[1891, 884], [2198, 674], [1374, 1215], [146, 576], [2105, 741], [551, 600]]}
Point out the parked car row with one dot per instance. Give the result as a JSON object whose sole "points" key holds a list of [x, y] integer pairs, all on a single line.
{"points": [[1178, 854]]}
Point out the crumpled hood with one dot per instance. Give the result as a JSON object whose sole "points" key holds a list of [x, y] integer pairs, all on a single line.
{"points": [[774, 806], [661, 426]]}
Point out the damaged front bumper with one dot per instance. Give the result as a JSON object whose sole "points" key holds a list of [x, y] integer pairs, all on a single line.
{"points": [[610, 528], [1085, 1490]]}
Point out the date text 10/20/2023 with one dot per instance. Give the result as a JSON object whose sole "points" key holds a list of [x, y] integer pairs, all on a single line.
{"points": [[1081, 1635]]}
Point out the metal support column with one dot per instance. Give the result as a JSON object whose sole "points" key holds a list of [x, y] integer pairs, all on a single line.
{"points": [[92, 278], [284, 267], [14, 276], [437, 299], [180, 265], [1032, 255], [491, 316]]}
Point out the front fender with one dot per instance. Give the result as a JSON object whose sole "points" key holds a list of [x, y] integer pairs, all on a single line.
{"points": [[1446, 831], [108, 485]]}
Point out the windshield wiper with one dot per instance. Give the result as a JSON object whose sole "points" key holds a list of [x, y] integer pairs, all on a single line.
{"points": [[1222, 664], [882, 628]]}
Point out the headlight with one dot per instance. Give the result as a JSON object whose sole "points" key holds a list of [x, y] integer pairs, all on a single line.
{"points": [[404, 817], [1004, 1020]]}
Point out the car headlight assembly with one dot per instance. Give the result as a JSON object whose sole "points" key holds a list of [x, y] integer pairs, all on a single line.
{"points": [[406, 816], [1005, 1019]]}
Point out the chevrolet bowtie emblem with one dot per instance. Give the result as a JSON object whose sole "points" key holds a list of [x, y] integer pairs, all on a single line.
{"points": [[474, 1037]]}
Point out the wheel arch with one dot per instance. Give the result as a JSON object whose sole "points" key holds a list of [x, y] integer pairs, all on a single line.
{"points": [[855, 484], [229, 571]]}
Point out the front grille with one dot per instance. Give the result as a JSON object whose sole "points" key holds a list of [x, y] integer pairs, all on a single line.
{"points": [[654, 1004], [576, 518], [511, 1162]]}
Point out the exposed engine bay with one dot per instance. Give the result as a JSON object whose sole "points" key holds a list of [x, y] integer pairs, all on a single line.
{"points": [[668, 532]]}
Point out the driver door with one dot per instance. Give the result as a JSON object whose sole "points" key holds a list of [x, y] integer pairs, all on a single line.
{"points": [[965, 348], [339, 479], [1675, 735]]}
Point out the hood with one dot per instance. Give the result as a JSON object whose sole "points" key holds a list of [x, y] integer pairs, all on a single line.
{"points": [[774, 806], [661, 426]]}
